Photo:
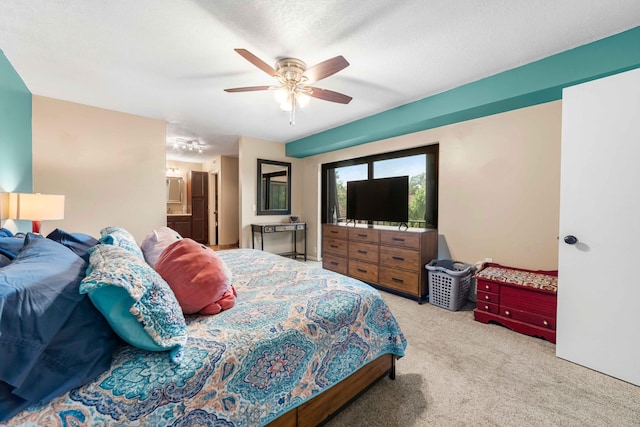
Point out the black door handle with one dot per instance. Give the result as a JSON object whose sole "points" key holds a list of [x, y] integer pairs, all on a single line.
{"points": [[570, 240]]}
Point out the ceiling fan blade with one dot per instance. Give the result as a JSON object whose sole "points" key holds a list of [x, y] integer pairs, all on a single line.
{"points": [[326, 69], [329, 95], [247, 89], [257, 62]]}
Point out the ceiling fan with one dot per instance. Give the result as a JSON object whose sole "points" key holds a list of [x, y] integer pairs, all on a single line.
{"points": [[294, 80]]}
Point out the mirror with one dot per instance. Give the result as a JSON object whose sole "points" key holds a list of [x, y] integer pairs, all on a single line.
{"points": [[174, 189], [274, 187]]}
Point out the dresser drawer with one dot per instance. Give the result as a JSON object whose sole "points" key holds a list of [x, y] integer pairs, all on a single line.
{"points": [[488, 297], [399, 258], [364, 252], [401, 238], [334, 231], [488, 307], [533, 301], [368, 235], [535, 319], [399, 280], [363, 271], [335, 263], [483, 285], [334, 246]]}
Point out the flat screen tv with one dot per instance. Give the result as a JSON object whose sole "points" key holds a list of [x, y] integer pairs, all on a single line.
{"points": [[383, 199]]}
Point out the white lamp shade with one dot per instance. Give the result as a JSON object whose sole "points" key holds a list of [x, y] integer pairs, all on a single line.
{"points": [[36, 207]]}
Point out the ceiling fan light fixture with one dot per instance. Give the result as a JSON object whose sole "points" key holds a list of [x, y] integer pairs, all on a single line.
{"points": [[294, 78], [302, 99]]}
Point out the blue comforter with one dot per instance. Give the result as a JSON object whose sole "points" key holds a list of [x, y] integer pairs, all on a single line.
{"points": [[295, 331], [52, 338]]}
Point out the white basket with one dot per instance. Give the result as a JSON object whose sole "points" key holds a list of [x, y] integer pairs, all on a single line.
{"points": [[449, 288]]}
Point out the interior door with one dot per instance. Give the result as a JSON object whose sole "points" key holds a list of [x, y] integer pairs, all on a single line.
{"points": [[598, 289], [199, 185]]}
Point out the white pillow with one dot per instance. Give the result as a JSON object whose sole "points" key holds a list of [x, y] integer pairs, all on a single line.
{"points": [[156, 242]]}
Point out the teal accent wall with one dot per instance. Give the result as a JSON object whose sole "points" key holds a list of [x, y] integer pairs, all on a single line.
{"points": [[535, 83], [15, 131]]}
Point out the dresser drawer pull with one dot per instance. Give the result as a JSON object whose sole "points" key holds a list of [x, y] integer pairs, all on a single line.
{"points": [[487, 287], [398, 258], [333, 231], [333, 263], [487, 297], [397, 280], [362, 235], [545, 323], [507, 313], [397, 239], [362, 270], [334, 246], [362, 252], [486, 307]]}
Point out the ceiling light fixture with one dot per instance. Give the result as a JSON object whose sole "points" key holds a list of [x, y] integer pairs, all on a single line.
{"points": [[294, 80], [189, 145]]}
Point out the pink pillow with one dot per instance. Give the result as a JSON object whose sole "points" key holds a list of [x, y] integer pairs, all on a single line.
{"points": [[199, 278]]}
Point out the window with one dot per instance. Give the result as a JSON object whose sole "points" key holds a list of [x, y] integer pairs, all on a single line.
{"points": [[421, 164]]}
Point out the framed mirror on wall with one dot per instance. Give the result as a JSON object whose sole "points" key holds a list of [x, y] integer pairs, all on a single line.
{"points": [[274, 187], [174, 189]]}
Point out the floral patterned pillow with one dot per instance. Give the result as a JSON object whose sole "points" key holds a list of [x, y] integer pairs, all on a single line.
{"points": [[138, 304], [118, 236]]}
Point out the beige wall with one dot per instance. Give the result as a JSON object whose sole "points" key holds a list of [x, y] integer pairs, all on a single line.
{"points": [[499, 184], [228, 181], [109, 165], [252, 149]]}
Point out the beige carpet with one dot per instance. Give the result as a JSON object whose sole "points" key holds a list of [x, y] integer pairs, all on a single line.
{"points": [[459, 372]]}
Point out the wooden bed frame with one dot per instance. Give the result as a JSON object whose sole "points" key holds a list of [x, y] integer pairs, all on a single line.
{"points": [[330, 402]]}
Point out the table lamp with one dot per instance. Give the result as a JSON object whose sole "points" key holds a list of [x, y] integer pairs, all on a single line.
{"points": [[36, 207]]}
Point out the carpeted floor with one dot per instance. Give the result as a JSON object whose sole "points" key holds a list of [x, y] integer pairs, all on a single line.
{"points": [[459, 372]]}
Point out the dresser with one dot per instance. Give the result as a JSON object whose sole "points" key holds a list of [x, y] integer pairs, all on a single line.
{"points": [[384, 257], [522, 300]]}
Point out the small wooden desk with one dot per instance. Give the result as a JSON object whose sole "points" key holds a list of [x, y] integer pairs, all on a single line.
{"points": [[292, 228]]}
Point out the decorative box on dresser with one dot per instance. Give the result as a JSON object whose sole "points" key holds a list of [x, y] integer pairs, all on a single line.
{"points": [[385, 257], [522, 300]]}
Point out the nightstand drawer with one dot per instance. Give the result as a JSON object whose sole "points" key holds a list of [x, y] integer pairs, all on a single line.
{"points": [[399, 258]]}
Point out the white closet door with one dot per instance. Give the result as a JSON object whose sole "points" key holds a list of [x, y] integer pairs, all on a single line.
{"points": [[598, 323]]}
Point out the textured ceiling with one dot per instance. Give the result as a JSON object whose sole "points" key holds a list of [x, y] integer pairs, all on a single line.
{"points": [[171, 59]]}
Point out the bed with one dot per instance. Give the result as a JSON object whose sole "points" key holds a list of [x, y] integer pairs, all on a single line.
{"points": [[299, 344]]}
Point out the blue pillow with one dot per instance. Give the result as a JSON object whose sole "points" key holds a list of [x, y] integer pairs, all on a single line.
{"points": [[79, 243], [51, 336], [118, 236], [10, 246], [138, 304], [5, 233]]}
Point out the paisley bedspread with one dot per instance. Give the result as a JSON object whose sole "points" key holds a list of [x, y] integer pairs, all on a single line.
{"points": [[294, 332]]}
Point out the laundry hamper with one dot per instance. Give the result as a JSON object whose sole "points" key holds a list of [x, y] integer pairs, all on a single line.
{"points": [[449, 283]]}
